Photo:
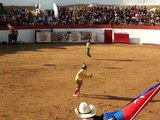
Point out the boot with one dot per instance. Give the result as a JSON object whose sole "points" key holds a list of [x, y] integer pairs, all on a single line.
{"points": [[76, 93]]}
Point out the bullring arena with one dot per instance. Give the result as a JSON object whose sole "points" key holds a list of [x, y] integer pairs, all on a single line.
{"points": [[43, 46], [37, 80]]}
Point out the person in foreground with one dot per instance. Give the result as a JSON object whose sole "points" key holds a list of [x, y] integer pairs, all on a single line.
{"points": [[87, 111], [79, 79]]}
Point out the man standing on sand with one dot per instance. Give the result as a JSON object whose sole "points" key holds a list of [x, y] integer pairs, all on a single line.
{"points": [[79, 79], [88, 48]]}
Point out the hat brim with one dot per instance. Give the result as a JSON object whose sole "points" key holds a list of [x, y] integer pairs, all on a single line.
{"points": [[82, 115]]}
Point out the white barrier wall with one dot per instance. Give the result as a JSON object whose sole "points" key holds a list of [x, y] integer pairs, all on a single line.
{"points": [[138, 36], [27, 36], [99, 32], [141, 36]]}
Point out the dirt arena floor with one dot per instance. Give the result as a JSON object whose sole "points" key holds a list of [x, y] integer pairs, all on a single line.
{"points": [[37, 80]]}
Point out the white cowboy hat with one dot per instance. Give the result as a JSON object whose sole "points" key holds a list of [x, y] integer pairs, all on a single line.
{"points": [[85, 110]]}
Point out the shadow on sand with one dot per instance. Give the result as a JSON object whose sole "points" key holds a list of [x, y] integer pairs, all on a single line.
{"points": [[112, 67], [125, 60], [49, 65], [11, 49], [110, 97]]}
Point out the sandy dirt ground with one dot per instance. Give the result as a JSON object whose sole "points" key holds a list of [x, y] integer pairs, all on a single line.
{"points": [[37, 80]]}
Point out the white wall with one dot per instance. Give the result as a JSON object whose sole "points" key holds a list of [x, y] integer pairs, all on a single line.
{"points": [[141, 36], [27, 36], [47, 4], [138, 36]]}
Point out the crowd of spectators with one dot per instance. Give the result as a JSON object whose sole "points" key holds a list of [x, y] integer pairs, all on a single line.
{"points": [[83, 15]]}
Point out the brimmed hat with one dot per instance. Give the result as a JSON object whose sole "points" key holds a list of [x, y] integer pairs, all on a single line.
{"points": [[85, 110]]}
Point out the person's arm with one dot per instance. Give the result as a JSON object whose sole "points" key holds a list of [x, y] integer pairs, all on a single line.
{"points": [[87, 75]]}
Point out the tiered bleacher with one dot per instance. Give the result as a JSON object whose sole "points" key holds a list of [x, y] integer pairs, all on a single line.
{"points": [[81, 15]]}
